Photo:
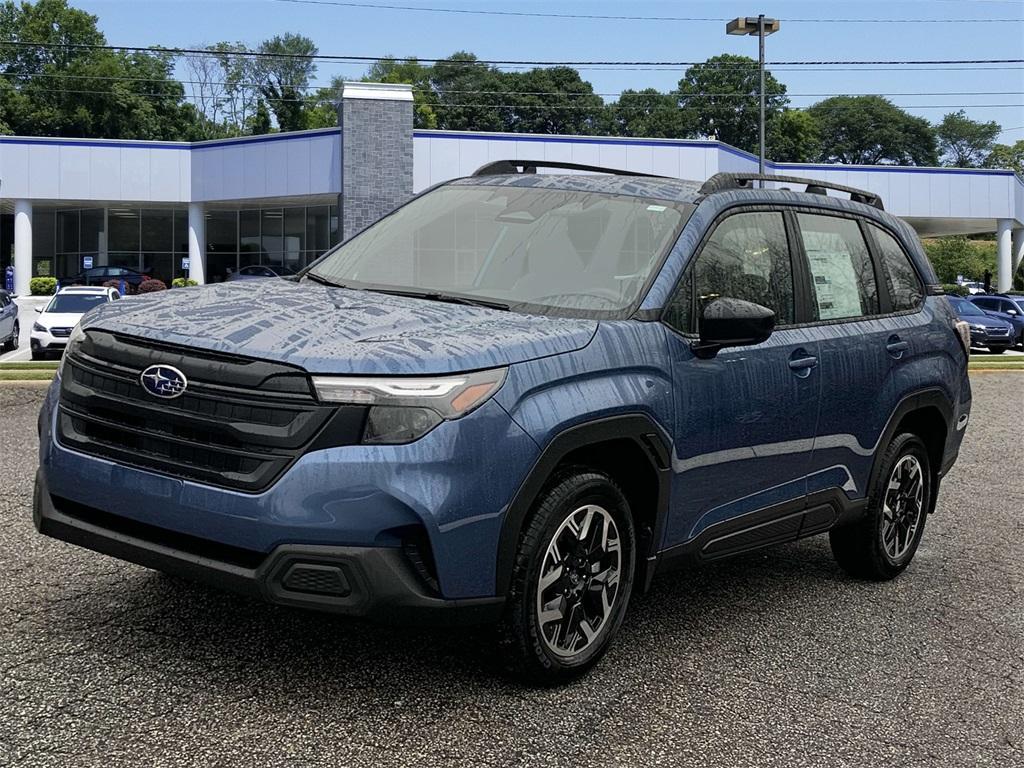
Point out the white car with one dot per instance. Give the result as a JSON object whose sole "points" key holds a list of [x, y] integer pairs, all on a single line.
{"points": [[58, 318], [974, 288]]}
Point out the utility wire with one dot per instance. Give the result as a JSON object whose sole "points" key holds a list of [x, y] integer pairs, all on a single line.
{"points": [[569, 94], [479, 105], [594, 16], [371, 59]]}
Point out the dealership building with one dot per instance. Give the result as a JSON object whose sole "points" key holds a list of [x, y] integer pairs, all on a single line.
{"points": [[206, 209]]}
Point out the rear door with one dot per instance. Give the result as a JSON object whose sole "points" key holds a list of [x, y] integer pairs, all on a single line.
{"points": [[867, 302], [8, 311], [744, 420]]}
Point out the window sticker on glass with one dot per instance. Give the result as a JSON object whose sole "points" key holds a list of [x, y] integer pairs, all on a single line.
{"points": [[657, 208]]}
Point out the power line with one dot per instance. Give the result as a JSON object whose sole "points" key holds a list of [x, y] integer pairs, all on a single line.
{"points": [[539, 63], [571, 94], [478, 105], [594, 16]]}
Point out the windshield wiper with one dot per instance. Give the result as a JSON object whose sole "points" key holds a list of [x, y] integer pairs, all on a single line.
{"points": [[323, 280], [449, 298]]}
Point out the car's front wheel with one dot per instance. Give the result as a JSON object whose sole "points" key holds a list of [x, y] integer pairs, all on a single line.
{"points": [[572, 578], [881, 544], [997, 350]]}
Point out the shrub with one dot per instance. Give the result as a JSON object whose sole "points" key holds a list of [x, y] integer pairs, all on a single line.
{"points": [[151, 285], [42, 286], [954, 256], [183, 282], [955, 290]]}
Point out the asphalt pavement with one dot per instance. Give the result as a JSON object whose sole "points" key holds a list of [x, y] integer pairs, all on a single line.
{"points": [[772, 659]]}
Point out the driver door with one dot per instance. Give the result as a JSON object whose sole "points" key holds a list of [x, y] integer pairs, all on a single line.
{"points": [[745, 419]]}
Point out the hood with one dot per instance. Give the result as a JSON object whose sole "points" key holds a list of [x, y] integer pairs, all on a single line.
{"points": [[334, 330], [987, 321], [59, 319]]}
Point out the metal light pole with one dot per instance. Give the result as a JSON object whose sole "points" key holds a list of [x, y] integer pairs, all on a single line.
{"points": [[762, 27]]}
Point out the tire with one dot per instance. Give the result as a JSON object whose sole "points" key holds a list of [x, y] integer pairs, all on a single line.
{"points": [[872, 548], [551, 650], [38, 354], [997, 350]]}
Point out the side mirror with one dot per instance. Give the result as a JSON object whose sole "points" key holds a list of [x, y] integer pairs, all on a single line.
{"points": [[729, 322], [39, 310], [1012, 312]]}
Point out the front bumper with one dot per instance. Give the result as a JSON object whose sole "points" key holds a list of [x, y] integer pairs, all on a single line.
{"points": [[377, 583], [47, 342]]}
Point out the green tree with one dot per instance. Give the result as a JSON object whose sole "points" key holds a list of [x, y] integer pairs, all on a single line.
{"points": [[955, 256], [720, 100], [872, 130], [551, 100], [965, 143], [410, 71], [1007, 156], [648, 113], [470, 96], [70, 90], [794, 136], [259, 121], [284, 70]]}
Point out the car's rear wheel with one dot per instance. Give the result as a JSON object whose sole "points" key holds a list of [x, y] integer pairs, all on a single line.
{"points": [[881, 544], [12, 343], [572, 578]]}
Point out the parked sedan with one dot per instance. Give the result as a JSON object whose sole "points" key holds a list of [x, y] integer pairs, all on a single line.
{"points": [[1007, 308], [258, 271], [58, 319], [9, 329], [986, 331], [101, 275]]}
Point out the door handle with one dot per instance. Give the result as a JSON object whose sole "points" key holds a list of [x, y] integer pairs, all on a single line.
{"points": [[802, 366], [803, 362], [896, 347]]}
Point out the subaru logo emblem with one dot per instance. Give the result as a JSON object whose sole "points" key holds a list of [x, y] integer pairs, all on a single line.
{"points": [[164, 381]]}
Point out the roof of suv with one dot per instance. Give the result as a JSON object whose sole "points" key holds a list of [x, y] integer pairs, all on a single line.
{"points": [[676, 190]]}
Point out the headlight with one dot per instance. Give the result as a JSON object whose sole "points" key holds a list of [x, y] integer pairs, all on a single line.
{"points": [[77, 334], [39, 327], [976, 327], [404, 409]]}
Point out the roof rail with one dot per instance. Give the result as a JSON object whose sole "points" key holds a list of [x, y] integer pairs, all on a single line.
{"points": [[722, 182], [503, 167]]}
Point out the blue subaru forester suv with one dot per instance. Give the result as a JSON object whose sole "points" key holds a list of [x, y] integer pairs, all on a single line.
{"points": [[516, 399]]}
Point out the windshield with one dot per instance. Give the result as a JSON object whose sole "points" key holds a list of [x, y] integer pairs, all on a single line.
{"points": [[545, 250], [78, 303], [966, 308]]}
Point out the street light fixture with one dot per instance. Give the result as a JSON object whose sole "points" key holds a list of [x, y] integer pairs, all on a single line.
{"points": [[762, 27]]}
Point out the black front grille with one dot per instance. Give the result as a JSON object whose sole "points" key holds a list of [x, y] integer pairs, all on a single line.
{"points": [[239, 425], [62, 332]]}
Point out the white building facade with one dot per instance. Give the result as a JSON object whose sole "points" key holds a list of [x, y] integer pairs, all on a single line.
{"points": [[204, 209]]}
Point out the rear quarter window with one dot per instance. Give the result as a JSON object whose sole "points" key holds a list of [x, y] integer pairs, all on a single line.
{"points": [[905, 288]]}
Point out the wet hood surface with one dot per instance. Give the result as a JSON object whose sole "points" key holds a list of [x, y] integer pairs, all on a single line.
{"points": [[334, 330]]}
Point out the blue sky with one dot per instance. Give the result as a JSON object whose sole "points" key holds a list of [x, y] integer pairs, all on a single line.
{"points": [[366, 31]]}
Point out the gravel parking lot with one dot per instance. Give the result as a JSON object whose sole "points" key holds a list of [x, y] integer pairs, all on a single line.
{"points": [[771, 659]]}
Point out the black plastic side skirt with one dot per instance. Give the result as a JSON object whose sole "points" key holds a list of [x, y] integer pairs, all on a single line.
{"points": [[777, 524]]}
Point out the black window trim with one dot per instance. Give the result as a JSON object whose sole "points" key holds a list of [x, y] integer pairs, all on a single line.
{"points": [[802, 292], [799, 282], [876, 249]]}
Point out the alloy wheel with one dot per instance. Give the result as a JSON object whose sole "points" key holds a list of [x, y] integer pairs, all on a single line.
{"points": [[902, 507], [578, 584]]}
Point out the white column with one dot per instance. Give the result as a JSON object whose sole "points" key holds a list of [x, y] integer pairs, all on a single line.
{"points": [[1003, 255], [1017, 249], [197, 242], [22, 246]]}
